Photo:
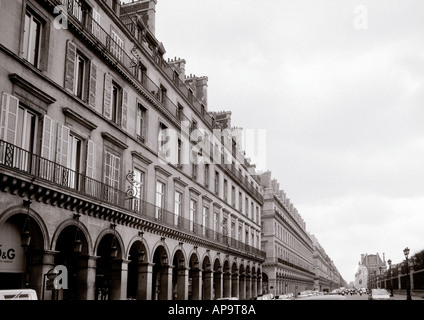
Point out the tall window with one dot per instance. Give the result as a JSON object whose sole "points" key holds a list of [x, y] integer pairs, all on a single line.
{"points": [[193, 211], [26, 127], [216, 182], [206, 174], [74, 156], [225, 190], [240, 201], [141, 127], [160, 199], [32, 39], [233, 196], [116, 102], [163, 140], [215, 224], [80, 76], [112, 176], [138, 190], [178, 207], [162, 94], [205, 219]]}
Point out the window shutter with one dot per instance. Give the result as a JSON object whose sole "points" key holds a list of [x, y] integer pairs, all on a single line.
{"points": [[92, 87], [47, 139], [70, 66], [91, 159], [9, 118], [124, 109], [107, 97], [96, 26], [62, 145], [108, 164]]}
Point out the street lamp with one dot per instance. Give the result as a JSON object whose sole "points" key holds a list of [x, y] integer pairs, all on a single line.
{"points": [[379, 279], [391, 280], [408, 284]]}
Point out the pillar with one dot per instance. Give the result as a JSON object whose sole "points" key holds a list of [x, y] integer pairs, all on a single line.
{"points": [[227, 284], [217, 284], [165, 283], [235, 284], [248, 287], [242, 287], [86, 277], [208, 285], [182, 283], [254, 281], [42, 263], [196, 284], [144, 281]]}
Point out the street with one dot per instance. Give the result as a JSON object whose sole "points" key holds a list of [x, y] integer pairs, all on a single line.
{"points": [[365, 297]]}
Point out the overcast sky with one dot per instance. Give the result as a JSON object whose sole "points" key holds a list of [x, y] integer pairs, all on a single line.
{"points": [[338, 87]]}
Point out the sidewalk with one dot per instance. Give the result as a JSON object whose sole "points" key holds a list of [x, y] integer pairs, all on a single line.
{"points": [[403, 297]]}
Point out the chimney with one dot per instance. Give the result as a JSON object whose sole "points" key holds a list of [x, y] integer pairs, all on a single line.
{"points": [[202, 89], [144, 8], [179, 65], [266, 179]]}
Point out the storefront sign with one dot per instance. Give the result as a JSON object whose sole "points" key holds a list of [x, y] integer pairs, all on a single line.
{"points": [[11, 252]]}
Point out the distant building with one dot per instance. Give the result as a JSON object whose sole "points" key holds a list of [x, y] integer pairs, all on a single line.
{"points": [[369, 267]]}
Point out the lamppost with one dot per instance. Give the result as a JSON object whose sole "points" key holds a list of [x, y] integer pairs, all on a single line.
{"points": [[391, 280], [379, 279], [408, 284]]}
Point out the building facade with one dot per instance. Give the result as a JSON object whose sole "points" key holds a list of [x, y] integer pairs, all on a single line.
{"points": [[327, 277], [370, 268], [288, 267], [112, 165]]}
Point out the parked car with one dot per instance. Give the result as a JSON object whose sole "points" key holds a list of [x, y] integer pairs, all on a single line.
{"points": [[379, 294], [324, 297], [228, 298], [18, 294]]}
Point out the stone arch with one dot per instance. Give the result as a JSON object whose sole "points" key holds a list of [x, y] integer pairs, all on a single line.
{"points": [[83, 229]]}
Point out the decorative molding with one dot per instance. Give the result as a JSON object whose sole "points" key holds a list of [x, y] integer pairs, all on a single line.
{"points": [[29, 87], [206, 198], [107, 136], [163, 171], [194, 191], [140, 157], [180, 182], [78, 118]]}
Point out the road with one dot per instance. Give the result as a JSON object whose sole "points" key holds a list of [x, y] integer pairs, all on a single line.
{"points": [[365, 297]]}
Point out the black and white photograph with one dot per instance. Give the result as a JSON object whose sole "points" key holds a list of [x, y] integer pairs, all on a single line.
{"points": [[204, 155]]}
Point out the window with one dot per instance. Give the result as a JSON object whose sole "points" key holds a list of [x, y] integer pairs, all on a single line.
{"points": [[216, 182], [116, 102], [194, 165], [193, 211], [116, 45], [163, 140], [79, 10], [233, 229], [206, 174], [160, 200], [162, 94], [246, 206], [205, 219], [190, 95], [32, 39], [140, 72], [180, 112], [240, 201], [178, 207], [80, 76], [215, 224], [141, 125], [138, 190], [112, 176], [179, 153], [74, 158], [225, 190], [233, 196]]}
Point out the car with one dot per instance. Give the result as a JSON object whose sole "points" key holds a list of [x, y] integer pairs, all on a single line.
{"points": [[267, 296], [18, 294], [324, 297], [379, 294], [228, 298]]}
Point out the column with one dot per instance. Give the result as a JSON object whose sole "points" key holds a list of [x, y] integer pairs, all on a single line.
{"points": [[144, 281], [235, 284], [196, 284], [248, 286], [254, 281], [242, 286], [208, 284], [218, 283], [411, 277], [227, 284], [182, 283], [42, 263], [165, 283], [86, 277]]}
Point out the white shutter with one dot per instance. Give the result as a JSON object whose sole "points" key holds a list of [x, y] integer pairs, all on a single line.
{"points": [[96, 24], [92, 86], [91, 159], [70, 66], [47, 139], [62, 145], [107, 99], [9, 118], [124, 109]]}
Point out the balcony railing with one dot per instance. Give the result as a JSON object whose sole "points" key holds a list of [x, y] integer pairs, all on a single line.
{"points": [[19, 160]]}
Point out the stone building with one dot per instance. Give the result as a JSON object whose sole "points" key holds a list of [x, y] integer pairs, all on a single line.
{"points": [[370, 267], [288, 267], [113, 166]]}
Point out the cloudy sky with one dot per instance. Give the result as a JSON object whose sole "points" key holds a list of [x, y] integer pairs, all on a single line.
{"points": [[338, 87]]}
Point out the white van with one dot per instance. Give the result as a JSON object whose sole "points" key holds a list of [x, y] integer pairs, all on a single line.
{"points": [[18, 294]]}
